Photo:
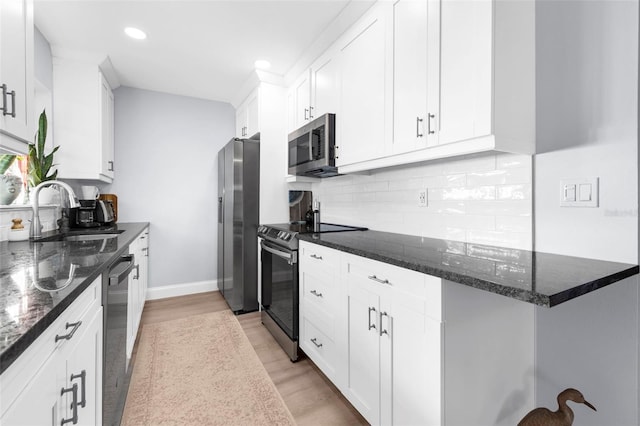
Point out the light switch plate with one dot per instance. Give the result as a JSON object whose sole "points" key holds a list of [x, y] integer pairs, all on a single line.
{"points": [[579, 192]]}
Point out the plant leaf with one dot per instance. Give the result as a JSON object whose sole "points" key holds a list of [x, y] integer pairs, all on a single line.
{"points": [[42, 132], [6, 160]]}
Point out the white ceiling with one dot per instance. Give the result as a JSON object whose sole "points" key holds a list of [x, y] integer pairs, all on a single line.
{"points": [[204, 48]]}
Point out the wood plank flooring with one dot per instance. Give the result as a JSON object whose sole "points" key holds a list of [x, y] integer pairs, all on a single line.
{"points": [[309, 395]]}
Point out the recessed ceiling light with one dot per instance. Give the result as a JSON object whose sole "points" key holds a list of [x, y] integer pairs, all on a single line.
{"points": [[135, 33], [262, 64]]}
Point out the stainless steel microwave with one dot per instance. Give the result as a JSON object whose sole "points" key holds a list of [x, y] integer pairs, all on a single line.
{"points": [[312, 148]]}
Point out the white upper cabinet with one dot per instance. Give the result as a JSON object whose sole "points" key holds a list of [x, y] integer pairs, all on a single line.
{"points": [[248, 116], [17, 120], [362, 129], [415, 85], [83, 119], [325, 95], [414, 81]]}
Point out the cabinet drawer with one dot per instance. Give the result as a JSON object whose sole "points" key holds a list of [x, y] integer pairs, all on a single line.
{"points": [[21, 372], [318, 258], [419, 286], [319, 347], [318, 291]]}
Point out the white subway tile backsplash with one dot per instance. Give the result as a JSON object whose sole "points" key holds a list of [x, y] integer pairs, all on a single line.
{"points": [[514, 192], [484, 199]]}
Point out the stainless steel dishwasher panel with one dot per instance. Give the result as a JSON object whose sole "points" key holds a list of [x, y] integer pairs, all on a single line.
{"points": [[116, 369]]}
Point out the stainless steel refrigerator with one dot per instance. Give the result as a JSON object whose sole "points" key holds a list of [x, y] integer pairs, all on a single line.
{"points": [[238, 215]]}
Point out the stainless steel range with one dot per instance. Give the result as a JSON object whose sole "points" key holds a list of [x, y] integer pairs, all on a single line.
{"points": [[279, 255]]}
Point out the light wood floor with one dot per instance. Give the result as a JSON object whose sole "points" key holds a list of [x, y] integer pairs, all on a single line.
{"points": [[310, 396]]}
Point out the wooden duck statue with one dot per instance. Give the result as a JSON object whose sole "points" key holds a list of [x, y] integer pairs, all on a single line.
{"points": [[562, 417]]}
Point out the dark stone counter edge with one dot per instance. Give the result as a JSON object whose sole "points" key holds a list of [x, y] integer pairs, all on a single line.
{"points": [[14, 351], [483, 284]]}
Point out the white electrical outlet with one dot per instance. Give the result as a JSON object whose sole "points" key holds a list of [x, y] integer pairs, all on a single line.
{"points": [[422, 198]]}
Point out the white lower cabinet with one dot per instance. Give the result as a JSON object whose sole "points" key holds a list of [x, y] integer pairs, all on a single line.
{"points": [[394, 343], [406, 348], [138, 280], [58, 379], [320, 307]]}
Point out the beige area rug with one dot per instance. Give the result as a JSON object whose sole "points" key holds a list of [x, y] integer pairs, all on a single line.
{"points": [[201, 370]]}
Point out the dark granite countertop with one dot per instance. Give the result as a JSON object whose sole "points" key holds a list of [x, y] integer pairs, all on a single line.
{"points": [[541, 278], [39, 280]]}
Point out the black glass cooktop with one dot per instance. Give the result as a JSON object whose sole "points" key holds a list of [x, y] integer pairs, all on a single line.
{"points": [[303, 228]]}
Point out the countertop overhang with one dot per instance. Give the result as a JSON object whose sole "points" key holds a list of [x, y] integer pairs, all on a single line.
{"points": [[28, 270], [543, 279]]}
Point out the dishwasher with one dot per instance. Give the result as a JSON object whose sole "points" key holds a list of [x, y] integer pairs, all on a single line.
{"points": [[116, 371]]}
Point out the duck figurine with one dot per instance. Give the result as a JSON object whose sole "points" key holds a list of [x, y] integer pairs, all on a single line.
{"points": [[562, 417]]}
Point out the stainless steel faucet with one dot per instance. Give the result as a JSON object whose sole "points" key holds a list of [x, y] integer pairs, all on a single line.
{"points": [[36, 228]]}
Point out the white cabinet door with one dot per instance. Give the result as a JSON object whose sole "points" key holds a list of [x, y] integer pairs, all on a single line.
{"points": [[83, 123], [410, 348], [415, 74], [325, 94], [363, 382], [248, 116], [365, 78], [466, 69], [16, 70], [84, 369], [38, 402], [302, 90], [107, 103]]}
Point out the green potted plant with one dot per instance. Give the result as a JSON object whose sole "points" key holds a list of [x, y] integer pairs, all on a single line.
{"points": [[39, 166], [40, 163]]}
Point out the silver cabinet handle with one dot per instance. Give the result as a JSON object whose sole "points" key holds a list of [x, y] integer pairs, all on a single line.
{"points": [[378, 280], [371, 309], [13, 103], [383, 331], [315, 342], [4, 98], [68, 336], [429, 128], [310, 112], [418, 121], [74, 404], [83, 377], [5, 107], [137, 275], [306, 113], [315, 256], [315, 293], [110, 168]]}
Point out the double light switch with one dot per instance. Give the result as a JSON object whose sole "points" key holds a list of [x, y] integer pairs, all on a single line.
{"points": [[579, 192]]}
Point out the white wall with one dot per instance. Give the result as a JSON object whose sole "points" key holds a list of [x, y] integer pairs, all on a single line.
{"points": [[166, 156], [483, 199], [587, 117]]}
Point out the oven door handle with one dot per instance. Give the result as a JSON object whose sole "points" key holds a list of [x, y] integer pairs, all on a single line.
{"points": [[288, 256]]}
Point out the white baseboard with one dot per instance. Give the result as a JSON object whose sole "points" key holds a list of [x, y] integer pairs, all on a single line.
{"points": [[182, 289]]}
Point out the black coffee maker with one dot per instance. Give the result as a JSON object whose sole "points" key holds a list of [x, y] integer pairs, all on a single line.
{"points": [[84, 216], [91, 213]]}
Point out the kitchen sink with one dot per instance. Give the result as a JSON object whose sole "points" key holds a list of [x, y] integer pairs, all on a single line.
{"points": [[82, 235]]}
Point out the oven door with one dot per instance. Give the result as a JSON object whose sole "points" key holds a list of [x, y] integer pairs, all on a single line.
{"points": [[280, 286]]}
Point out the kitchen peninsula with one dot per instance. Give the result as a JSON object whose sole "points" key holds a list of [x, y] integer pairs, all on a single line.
{"points": [[416, 330]]}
